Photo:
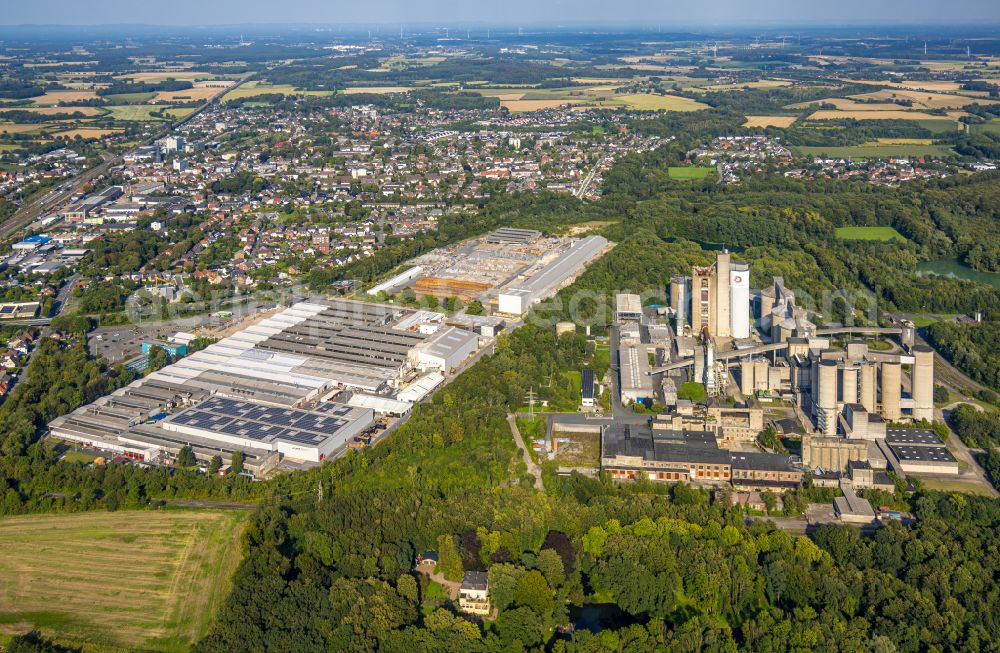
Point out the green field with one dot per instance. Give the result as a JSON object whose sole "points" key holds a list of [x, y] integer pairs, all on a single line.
{"points": [[134, 112], [873, 151], [869, 233], [179, 112], [248, 90], [690, 172], [955, 485], [990, 127], [112, 580], [126, 98]]}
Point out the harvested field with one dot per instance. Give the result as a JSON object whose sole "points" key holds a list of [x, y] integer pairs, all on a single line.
{"points": [[873, 115], [136, 580], [88, 132], [14, 128], [925, 99], [379, 90], [189, 95], [769, 121], [521, 106], [162, 76], [52, 98], [48, 111]]}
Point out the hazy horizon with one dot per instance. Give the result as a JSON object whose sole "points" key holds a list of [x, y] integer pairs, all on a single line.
{"points": [[663, 15]]}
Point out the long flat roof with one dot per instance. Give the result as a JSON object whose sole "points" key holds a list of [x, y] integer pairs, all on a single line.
{"points": [[244, 419]]}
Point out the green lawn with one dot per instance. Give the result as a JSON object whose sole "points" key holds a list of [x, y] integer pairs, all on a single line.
{"points": [[869, 233], [691, 390], [689, 172]]}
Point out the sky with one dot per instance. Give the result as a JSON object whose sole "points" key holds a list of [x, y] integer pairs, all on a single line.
{"points": [[663, 13]]}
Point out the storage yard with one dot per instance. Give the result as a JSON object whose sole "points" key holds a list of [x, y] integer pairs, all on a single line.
{"points": [[301, 386], [509, 269]]}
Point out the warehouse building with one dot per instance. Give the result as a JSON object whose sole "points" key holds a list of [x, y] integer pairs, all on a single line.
{"points": [[256, 392], [920, 451], [513, 236], [306, 435], [542, 284]]}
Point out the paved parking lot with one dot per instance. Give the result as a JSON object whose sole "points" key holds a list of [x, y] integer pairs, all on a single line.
{"points": [[120, 343]]}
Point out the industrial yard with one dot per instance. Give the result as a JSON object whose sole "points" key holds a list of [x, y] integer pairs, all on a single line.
{"points": [[301, 386], [507, 270]]}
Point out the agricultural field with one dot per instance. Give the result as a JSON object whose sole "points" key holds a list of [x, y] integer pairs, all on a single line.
{"points": [[135, 112], [872, 150], [14, 128], [162, 76], [991, 127], [869, 233], [380, 90], [689, 172], [110, 580], [88, 132], [649, 102], [769, 121], [49, 111], [202, 92], [924, 99], [253, 89], [52, 98], [891, 114]]}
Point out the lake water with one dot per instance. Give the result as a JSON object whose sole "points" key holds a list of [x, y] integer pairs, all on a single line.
{"points": [[955, 269], [596, 617]]}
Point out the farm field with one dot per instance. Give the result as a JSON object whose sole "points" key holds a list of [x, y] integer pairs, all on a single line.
{"points": [[48, 111], [892, 114], [769, 121], [201, 92], [162, 76], [52, 98], [869, 233], [649, 102], [15, 128], [87, 132], [136, 580], [253, 89], [763, 83], [375, 89], [991, 127], [179, 112], [689, 172], [134, 112], [924, 99], [872, 151]]}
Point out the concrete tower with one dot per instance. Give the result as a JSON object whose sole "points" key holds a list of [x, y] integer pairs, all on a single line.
{"points": [[680, 298], [739, 296], [868, 391], [922, 387], [722, 310], [703, 302], [826, 404], [747, 376], [892, 376], [849, 385]]}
